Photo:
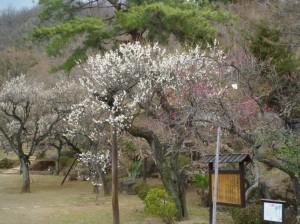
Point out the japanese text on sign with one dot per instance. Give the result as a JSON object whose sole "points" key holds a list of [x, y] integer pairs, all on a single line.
{"points": [[273, 212], [229, 188]]}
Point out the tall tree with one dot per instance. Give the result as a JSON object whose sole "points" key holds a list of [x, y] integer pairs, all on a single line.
{"points": [[84, 130], [29, 113], [93, 24], [146, 80]]}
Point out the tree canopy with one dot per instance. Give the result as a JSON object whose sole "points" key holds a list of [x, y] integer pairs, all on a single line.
{"points": [[63, 21]]}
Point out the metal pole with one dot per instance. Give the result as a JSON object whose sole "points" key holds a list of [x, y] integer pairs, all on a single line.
{"points": [[216, 177]]}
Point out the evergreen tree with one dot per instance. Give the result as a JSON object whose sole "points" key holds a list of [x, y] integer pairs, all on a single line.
{"points": [[95, 23]]}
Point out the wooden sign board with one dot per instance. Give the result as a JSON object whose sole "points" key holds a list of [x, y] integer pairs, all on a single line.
{"points": [[229, 188]]}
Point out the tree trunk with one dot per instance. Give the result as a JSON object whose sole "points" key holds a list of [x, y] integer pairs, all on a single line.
{"points": [[25, 172], [256, 180], [57, 167], [178, 194], [172, 178], [296, 185], [105, 185], [174, 181]]}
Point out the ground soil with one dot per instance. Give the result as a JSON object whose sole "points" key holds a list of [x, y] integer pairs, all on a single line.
{"points": [[74, 202]]}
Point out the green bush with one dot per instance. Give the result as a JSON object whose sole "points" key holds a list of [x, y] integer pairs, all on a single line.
{"points": [[250, 215], [143, 191], [136, 188], [135, 169], [6, 163], [201, 181], [159, 202]]}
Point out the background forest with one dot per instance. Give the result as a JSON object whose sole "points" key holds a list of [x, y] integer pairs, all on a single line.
{"points": [[154, 79]]}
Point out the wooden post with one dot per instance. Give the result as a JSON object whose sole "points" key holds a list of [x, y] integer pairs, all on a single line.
{"points": [[114, 164], [68, 171], [210, 170]]}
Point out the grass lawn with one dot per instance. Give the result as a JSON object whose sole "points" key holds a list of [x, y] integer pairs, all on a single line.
{"points": [[75, 203]]}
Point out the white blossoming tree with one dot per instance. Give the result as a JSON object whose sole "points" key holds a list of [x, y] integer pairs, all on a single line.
{"points": [[89, 137], [165, 89], [97, 163], [28, 113]]}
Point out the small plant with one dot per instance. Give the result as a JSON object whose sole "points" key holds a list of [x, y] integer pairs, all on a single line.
{"points": [[134, 169], [250, 215], [159, 202], [143, 191], [201, 181], [136, 188]]}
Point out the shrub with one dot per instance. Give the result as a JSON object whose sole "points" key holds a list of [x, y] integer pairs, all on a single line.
{"points": [[159, 202], [250, 215], [6, 163], [143, 191], [134, 169], [136, 188], [201, 181]]}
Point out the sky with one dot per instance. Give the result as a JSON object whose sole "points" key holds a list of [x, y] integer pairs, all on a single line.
{"points": [[17, 4]]}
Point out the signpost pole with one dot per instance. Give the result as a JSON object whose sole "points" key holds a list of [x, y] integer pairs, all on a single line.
{"points": [[216, 177], [211, 169]]}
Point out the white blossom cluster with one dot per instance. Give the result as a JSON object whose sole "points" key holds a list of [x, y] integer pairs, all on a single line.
{"points": [[30, 110], [124, 79], [96, 163], [85, 119]]}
